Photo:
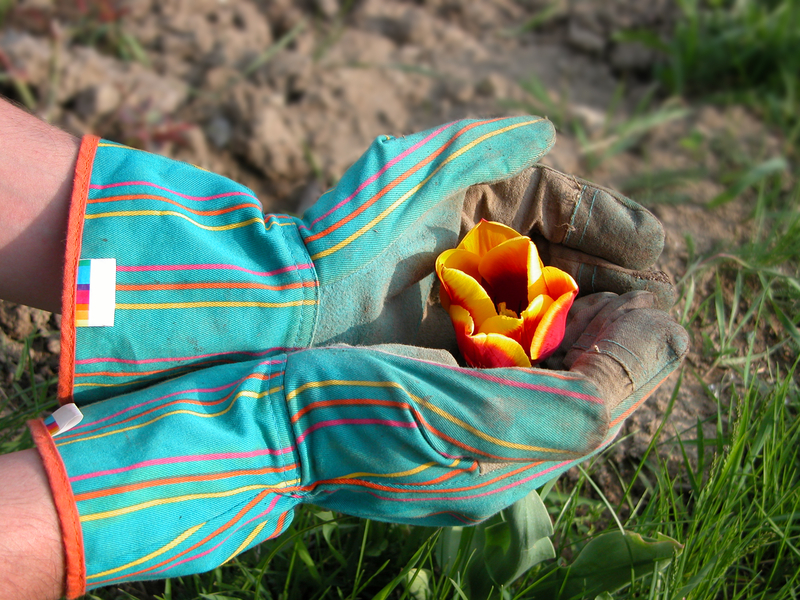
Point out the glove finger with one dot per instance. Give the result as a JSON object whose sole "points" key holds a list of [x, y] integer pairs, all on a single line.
{"points": [[573, 212], [583, 311], [593, 274], [384, 195], [628, 348]]}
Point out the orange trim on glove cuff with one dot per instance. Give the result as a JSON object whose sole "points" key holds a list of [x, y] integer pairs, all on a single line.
{"points": [[68, 517], [77, 210]]}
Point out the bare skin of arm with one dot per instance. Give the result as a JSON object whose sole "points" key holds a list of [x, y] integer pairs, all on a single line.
{"points": [[37, 162], [31, 550], [36, 170]]}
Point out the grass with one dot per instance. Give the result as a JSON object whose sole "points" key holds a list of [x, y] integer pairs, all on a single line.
{"points": [[735, 51], [733, 497]]}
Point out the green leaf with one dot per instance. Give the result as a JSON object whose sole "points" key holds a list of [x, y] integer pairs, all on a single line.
{"points": [[302, 553], [498, 551], [417, 582], [527, 530], [606, 564]]}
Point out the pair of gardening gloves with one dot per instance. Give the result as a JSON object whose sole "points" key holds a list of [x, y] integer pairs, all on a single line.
{"points": [[256, 362]]}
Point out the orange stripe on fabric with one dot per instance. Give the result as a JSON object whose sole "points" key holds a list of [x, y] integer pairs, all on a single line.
{"points": [[403, 490], [630, 410], [187, 367], [178, 480], [80, 195], [394, 183], [171, 403], [278, 526], [247, 541], [406, 473], [435, 409], [214, 285], [348, 402], [205, 213], [172, 213], [177, 305], [410, 193], [211, 536], [447, 475], [156, 553], [199, 415], [67, 510]]}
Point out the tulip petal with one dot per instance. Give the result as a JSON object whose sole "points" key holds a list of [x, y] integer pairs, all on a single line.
{"points": [[462, 290], [535, 311], [506, 270], [461, 260], [485, 236], [531, 318], [553, 282], [508, 326], [487, 350], [550, 330]]}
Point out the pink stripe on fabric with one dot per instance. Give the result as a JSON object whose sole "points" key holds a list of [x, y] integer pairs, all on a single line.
{"points": [[190, 391], [155, 462], [371, 179], [531, 386], [511, 382], [106, 186], [198, 267], [225, 539], [335, 422], [481, 495], [145, 361]]}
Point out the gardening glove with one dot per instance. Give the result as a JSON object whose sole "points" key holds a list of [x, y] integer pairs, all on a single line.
{"points": [[171, 268], [181, 476]]}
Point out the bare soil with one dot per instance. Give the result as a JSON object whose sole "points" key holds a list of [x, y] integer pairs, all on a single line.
{"points": [[283, 96]]}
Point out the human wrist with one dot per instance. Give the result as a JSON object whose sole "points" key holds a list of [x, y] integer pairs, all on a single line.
{"points": [[31, 550], [37, 162]]}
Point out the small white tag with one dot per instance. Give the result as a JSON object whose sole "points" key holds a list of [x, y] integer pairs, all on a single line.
{"points": [[64, 419], [96, 292]]}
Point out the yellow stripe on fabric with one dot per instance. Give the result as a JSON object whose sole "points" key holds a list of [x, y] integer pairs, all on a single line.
{"points": [[246, 542], [188, 497], [215, 305], [413, 471], [316, 384], [120, 146], [245, 393], [354, 236], [484, 436], [178, 540], [131, 382], [161, 213], [430, 406]]}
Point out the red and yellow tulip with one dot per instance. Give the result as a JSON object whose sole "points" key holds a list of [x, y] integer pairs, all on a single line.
{"points": [[508, 309]]}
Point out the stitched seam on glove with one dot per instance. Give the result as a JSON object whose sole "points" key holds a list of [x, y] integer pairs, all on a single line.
{"points": [[289, 434], [305, 258]]}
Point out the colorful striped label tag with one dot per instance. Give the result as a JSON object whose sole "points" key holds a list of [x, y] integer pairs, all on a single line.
{"points": [[64, 419], [96, 292]]}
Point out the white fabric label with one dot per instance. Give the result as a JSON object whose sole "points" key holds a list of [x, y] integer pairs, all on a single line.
{"points": [[96, 292]]}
